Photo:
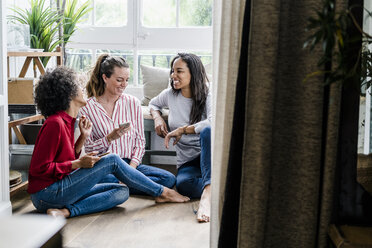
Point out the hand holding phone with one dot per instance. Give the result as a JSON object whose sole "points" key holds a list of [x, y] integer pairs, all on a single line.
{"points": [[124, 125], [119, 131]]}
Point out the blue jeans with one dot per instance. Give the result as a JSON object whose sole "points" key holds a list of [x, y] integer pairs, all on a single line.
{"points": [[86, 191], [157, 175], [194, 175]]}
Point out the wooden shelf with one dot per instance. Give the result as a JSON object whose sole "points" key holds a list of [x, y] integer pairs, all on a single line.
{"points": [[14, 125], [37, 65], [14, 190], [34, 54], [35, 57]]}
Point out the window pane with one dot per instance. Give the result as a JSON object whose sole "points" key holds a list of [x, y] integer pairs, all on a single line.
{"points": [[196, 12], [111, 13], [155, 59], [206, 58], [18, 3], [164, 58], [159, 13], [88, 18], [127, 55], [79, 59]]}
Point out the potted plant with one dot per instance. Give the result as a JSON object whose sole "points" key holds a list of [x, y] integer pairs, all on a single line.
{"points": [[45, 22]]}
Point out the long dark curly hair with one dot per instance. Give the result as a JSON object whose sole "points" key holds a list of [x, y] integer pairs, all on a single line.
{"points": [[55, 90], [198, 84], [105, 65]]}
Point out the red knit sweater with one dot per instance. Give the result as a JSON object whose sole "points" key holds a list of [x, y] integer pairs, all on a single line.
{"points": [[54, 150]]}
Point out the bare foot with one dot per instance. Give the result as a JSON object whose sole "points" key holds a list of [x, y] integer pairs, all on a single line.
{"points": [[204, 205], [58, 212], [170, 195]]}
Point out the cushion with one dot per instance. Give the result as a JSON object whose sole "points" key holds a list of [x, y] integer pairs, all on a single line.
{"points": [[155, 80]]}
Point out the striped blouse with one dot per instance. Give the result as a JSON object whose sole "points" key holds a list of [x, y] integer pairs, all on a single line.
{"points": [[127, 109]]}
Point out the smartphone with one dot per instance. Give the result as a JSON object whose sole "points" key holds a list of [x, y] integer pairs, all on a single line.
{"points": [[124, 125], [103, 154]]}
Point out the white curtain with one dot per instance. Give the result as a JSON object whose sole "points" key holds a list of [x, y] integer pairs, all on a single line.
{"points": [[227, 25]]}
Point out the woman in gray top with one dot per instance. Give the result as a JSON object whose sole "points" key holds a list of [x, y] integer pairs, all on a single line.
{"points": [[189, 103]]}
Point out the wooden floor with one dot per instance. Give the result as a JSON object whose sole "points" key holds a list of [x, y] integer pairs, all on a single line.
{"points": [[137, 223]]}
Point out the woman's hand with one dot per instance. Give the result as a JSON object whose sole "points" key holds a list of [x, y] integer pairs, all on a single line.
{"points": [[85, 126], [176, 134], [117, 133], [133, 164], [161, 128], [86, 161]]}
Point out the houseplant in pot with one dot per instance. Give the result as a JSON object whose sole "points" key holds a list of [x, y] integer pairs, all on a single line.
{"points": [[45, 22]]}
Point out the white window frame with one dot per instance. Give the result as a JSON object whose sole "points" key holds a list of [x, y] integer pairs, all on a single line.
{"points": [[5, 205], [136, 37]]}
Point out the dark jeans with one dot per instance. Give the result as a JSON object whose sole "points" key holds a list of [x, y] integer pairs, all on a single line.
{"points": [[194, 175]]}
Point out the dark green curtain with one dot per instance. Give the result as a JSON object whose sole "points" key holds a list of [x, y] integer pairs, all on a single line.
{"points": [[280, 182]]}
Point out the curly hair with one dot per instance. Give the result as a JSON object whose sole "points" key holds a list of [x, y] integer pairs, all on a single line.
{"points": [[55, 90], [105, 65], [198, 84]]}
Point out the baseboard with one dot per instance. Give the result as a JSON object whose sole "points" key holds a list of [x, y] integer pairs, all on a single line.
{"points": [[5, 208]]}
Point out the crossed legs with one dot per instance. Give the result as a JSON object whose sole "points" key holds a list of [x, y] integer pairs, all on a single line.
{"points": [[83, 192]]}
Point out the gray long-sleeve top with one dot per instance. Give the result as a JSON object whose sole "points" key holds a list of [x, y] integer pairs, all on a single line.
{"points": [[188, 147]]}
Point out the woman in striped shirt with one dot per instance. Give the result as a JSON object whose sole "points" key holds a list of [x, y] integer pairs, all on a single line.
{"points": [[108, 107]]}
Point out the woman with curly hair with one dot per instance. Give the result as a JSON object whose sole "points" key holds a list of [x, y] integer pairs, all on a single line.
{"points": [[60, 182], [189, 104], [107, 107]]}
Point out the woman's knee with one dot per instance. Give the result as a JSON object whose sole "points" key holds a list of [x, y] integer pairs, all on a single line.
{"points": [[184, 185], [167, 179], [170, 180], [206, 133], [112, 160], [121, 194], [112, 156]]}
